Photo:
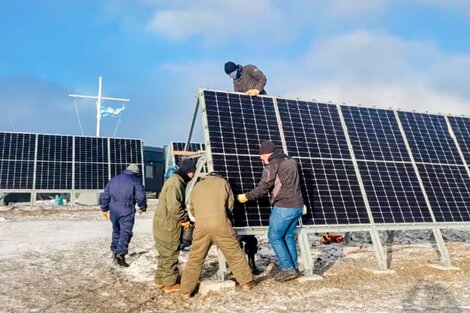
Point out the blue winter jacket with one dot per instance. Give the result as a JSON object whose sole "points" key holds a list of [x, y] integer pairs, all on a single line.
{"points": [[122, 193]]}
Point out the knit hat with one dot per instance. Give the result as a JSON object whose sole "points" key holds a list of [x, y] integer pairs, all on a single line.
{"points": [[266, 147], [230, 67], [187, 166], [134, 168]]}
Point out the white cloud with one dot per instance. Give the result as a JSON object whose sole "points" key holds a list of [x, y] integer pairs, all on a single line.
{"points": [[377, 69], [219, 21]]}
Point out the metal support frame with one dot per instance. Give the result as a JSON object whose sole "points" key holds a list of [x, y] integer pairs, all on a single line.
{"points": [[305, 251], [33, 192]]}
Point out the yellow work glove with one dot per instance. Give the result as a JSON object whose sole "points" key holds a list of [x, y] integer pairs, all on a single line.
{"points": [[242, 198], [253, 92], [186, 225], [105, 215]]}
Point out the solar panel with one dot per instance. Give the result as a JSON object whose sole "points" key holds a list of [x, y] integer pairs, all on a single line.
{"points": [[91, 163], [314, 135], [63, 162], [16, 160], [448, 189], [237, 124], [461, 128], [429, 138], [124, 152], [331, 193], [54, 162], [375, 134], [394, 192], [441, 168], [312, 130]]}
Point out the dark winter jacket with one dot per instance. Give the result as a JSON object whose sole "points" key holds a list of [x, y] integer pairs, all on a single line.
{"points": [[281, 177], [251, 78], [122, 193]]}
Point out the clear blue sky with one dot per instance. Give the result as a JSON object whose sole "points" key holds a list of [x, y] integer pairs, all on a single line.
{"points": [[412, 54]]}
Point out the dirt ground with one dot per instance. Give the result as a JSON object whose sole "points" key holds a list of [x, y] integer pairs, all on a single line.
{"points": [[59, 261]]}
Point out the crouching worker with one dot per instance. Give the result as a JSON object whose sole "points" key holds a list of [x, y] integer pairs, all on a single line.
{"points": [[211, 200], [170, 217], [119, 197]]}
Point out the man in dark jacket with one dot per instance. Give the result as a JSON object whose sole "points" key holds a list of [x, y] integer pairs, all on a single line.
{"points": [[169, 220], [119, 197], [281, 178], [247, 78]]}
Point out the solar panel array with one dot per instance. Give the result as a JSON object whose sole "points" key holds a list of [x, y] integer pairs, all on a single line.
{"points": [[63, 162], [333, 144]]}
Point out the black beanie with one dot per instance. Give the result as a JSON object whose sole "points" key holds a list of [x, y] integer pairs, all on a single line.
{"points": [[267, 147], [230, 67], [187, 166]]}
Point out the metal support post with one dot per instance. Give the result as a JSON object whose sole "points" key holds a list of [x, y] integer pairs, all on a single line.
{"points": [[378, 248], [443, 253], [222, 272], [305, 252]]}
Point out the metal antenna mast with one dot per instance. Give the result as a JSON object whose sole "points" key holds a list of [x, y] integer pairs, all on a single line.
{"points": [[98, 103]]}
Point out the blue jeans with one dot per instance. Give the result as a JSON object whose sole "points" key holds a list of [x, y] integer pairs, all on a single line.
{"points": [[282, 235]]}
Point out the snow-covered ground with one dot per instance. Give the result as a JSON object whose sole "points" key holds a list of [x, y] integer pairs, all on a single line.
{"points": [[58, 260]]}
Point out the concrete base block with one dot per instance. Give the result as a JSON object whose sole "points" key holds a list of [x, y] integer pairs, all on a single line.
{"points": [[443, 267], [309, 278], [380, 272], [216, 286]]}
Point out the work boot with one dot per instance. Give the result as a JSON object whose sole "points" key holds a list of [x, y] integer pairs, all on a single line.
{"points": [[185, 296], [252, 264], [247, 286], [120, 260], [284, 276], [170, 289], [159, 286]]}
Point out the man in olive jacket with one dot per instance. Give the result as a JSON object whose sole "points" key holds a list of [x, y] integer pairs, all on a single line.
{"points": [[170, 217], [211, 202]]}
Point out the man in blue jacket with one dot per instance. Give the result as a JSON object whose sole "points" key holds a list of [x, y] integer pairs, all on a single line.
{"points": [[119, 197]]}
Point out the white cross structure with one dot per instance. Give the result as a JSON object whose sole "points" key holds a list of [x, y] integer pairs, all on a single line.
{"points": [[98, 103]]}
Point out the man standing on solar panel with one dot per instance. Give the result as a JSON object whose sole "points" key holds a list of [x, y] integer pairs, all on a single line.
{"points": [[247, 78], [281, 178], [119, 197], [169, 220]]}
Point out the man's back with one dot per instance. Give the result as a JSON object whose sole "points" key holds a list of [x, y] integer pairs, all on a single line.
{"points": [[123, 191], [210, 200]]}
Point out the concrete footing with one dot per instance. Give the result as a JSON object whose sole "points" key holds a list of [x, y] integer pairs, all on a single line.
{"points": [[216, 286], [309, 278]]}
